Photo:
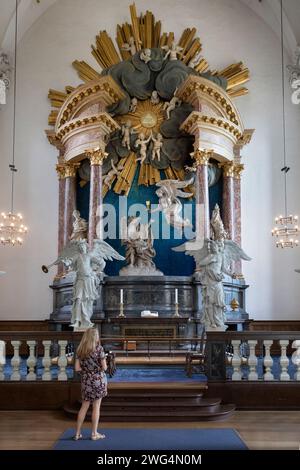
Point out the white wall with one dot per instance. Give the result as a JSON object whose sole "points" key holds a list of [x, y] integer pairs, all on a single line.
{"points": [[229, 32]]}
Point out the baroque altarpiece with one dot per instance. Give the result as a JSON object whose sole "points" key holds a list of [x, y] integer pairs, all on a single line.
{"points": [[154, 111]]}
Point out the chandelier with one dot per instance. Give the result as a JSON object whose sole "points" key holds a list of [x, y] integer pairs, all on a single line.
{"points": [[286, 229], [12, 228]]}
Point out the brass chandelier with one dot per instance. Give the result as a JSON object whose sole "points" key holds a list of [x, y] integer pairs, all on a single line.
{"points": [[12, 228], [286, 226]]}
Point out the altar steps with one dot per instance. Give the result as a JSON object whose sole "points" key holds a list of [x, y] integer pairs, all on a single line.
{"points": [[158, 404]]}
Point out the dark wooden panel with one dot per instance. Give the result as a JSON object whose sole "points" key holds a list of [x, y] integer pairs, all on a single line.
{"points": [[20, 325], [257, 395], [274, 325]]}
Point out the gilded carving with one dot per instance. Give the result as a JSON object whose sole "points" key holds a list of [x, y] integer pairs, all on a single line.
{"points": [[228, 169], [71, 169], [237, 170], [96, 156], [202, 157]]}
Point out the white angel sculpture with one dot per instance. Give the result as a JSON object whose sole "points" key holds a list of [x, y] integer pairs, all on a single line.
{"points": [[87, 264], [213, 260], [172, 51], [109, 178], [168, 193], [171, 105]]}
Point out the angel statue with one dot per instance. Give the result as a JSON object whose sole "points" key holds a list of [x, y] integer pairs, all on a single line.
{"points": [[138, 241], [142, 142], [80, 227], [171, 105], [88, 265], [130, 46], [168, 193], [109, 178], [213, 260], [172, 51]]}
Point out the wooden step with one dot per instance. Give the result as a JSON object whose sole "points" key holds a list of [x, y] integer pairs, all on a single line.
{"points": [[215, 413]]}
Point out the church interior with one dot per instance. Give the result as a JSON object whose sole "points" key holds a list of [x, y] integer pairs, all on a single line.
{"points": [[149, 190]]}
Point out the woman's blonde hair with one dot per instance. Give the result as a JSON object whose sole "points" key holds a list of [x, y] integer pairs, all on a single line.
{"points": [[88, 343]]}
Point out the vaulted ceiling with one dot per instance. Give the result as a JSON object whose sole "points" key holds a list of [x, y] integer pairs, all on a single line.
{"points": [[30, 10]]}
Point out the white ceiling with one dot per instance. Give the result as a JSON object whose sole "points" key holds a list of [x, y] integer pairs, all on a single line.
{"points": [[7, 8], [269, 10], [292, 11]]}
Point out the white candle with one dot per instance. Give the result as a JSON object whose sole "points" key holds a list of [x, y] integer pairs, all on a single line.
{"points": [[121, 296], [176, 296]]}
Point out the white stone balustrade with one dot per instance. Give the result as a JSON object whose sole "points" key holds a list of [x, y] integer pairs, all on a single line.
{"points": [[31, 361], [252, 360], [284, 360], [2, 359], [236, 360], [46, 361], [268, 361], [62, 360], [296, 358], [16, 360]]}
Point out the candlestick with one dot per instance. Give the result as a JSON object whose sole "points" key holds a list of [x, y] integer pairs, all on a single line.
{"points": [[176, 296], [121, 296]]}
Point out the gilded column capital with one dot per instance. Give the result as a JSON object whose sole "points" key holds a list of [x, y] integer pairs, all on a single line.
{"points": [[237, 171], [71, 169], [202, 157], [61, 171], [96, 156], [228, 169]]}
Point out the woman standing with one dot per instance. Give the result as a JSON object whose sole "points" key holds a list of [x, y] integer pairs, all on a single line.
{"points": [[91, 363]]}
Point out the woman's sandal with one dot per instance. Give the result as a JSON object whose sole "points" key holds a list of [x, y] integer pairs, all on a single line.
{"points": [[97, 436], [77, 438]]}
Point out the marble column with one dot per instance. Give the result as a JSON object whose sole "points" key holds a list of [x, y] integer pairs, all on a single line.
{"points": [[70, 198], [201, 158], [96, 160], [60, 168], [238, 168], [228, 209]]}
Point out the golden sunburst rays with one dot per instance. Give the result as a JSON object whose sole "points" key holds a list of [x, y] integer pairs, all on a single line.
{"points": [[146, 33], [145, 119]]}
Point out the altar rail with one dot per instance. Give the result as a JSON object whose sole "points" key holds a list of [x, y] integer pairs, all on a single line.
{"points": [[49, 356], [253, 356]]}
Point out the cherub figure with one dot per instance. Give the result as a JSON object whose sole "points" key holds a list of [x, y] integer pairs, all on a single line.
{"points": [[130, 46], [169, 106], [110, 176], [133, 105], [195, 60], [157, 146], [126, 133], [154, 97], [172, 51], [142, 143], [145, 55]]}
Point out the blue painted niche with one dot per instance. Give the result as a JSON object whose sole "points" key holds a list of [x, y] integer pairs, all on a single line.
{"points": [[168, 261]]}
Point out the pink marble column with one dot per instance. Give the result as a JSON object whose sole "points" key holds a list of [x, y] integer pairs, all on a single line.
{"points": [[70, 198], [61, 211], [228, 208], [96, 159], [202, 196], [238, 168]]}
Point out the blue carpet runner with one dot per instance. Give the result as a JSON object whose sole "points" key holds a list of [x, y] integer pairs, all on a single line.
{"points": [[154, 439]]}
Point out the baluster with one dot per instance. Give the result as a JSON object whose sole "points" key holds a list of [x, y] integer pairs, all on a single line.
{"points": [[296, 358], [284, 360], [252, 360], [268, 361], [2, 359], [62, 360], [46, 360], [31, 360], [15, 362], [236, 361]]}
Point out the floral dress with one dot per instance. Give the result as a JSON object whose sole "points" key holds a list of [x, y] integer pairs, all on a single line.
{"points": [[93, 378]]}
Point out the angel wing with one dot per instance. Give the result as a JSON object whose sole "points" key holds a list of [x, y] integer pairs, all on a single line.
{"points": [[195, 248], [233, 252], [69, 252], [174, 187], [103, 250]]}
